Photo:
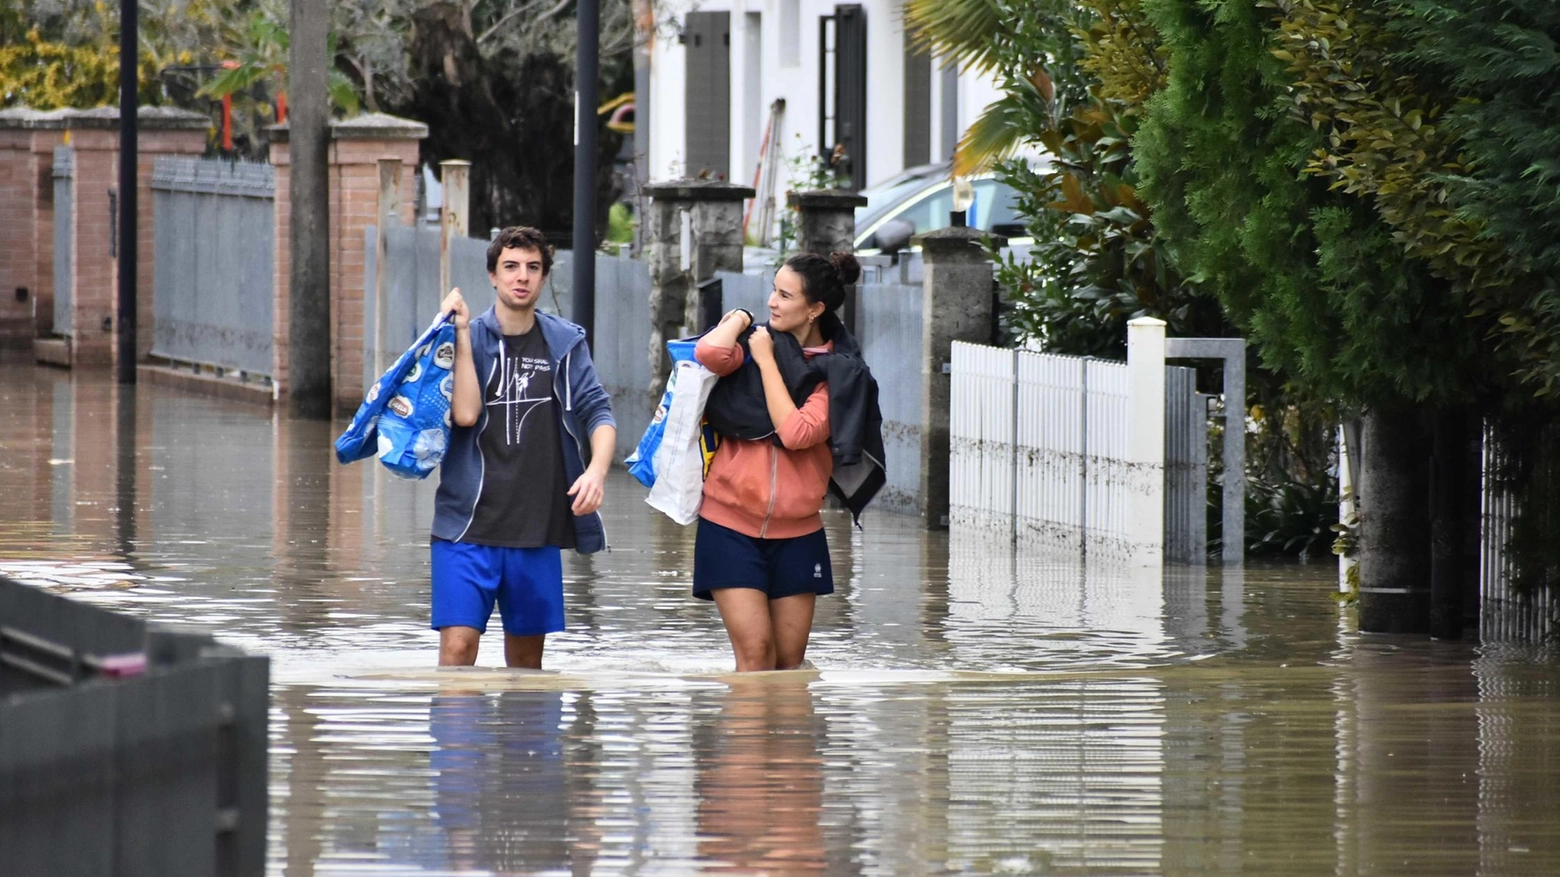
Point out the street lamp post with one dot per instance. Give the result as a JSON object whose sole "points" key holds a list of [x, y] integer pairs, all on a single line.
{"points": [[586, 100], [129, 109]]}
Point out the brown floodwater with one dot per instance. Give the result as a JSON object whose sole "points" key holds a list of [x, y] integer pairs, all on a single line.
{"points": [[973, 710]]}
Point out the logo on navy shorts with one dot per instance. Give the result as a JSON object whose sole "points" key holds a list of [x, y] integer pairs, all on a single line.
{"points": [[817, 570]]}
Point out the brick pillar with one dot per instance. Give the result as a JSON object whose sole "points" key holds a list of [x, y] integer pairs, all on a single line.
{"points": [[18, 262], [93, 272], [714, 218], [28, 139], [356, 147]]}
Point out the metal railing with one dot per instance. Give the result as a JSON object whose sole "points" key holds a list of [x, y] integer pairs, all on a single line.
{"points": [[214, 293], [1506, 614]]}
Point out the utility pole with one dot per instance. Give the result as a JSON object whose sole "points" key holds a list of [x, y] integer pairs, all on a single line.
{"points": [[308, 327], [586, 74], [129, 109]]}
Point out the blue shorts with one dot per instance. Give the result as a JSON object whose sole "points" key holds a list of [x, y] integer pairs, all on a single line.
{"points": [[527, 584], [724, 558]]}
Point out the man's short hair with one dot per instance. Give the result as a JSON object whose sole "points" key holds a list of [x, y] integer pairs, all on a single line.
{"points": [[520, 237]]}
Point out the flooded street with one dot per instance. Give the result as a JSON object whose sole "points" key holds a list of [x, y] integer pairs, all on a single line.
{"points": [[973, 711]]}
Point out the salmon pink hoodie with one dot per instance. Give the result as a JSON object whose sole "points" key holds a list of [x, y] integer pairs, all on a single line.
{"points": [[765, 490]]}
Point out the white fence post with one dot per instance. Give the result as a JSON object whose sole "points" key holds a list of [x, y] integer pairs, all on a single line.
{"points": [[1146, 438]]}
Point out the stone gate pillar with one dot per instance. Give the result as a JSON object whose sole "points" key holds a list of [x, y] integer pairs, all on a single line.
{"points": [[956, 306], [695, 229], [828, 220]]}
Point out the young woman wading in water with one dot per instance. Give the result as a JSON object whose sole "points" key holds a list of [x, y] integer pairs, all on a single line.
{"points": [[796, 408]]}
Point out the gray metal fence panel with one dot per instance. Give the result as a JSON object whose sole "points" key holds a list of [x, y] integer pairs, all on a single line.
{"points": [[1186, 468], [890, 318], [749, 291], [214, 236], [1506, 613], [64, 298], [621, 346]]}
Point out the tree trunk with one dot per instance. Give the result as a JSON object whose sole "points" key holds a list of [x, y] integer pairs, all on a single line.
{"points": [[1394, 522], [308, 328]]}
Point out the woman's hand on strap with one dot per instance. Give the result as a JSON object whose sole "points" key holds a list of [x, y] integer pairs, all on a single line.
{"points": [[762, 345]]}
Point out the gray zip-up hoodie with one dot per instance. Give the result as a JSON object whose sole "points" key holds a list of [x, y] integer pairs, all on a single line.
{"points": [[582, 406]]}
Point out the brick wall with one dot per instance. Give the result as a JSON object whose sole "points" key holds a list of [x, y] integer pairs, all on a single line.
{"points": [[27, 211]]}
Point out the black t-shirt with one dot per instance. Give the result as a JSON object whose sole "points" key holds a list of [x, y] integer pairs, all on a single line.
{"points": [[523, 501]]}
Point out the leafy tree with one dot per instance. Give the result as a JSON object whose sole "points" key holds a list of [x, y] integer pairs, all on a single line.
{"points": [[66, 54], [1312, 276], [494, 79], [1075, 78]]}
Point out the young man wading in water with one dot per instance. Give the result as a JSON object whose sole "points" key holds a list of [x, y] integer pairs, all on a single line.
{"points": [[518, 483]]}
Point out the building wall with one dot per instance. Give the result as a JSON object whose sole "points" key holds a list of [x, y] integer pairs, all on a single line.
{"points": [[791, 72]]}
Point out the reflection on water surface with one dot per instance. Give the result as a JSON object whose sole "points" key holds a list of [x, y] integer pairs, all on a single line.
{"points": [[972, 710]]}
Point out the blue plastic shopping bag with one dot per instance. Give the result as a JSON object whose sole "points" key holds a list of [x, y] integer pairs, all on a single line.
{"points": [[405, 418], [641, 461]]}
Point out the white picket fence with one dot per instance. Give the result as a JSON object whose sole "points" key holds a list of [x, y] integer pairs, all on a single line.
{"points": [[1065, 452]]}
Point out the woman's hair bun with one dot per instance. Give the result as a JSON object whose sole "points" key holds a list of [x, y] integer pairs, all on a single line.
{"points": [[847, 266]]}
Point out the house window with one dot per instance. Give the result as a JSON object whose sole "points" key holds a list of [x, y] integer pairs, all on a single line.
{"points": [[842, 93]]}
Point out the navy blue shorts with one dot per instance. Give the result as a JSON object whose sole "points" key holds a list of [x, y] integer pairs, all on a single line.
{"points": [[724, 558], [526, 583]]}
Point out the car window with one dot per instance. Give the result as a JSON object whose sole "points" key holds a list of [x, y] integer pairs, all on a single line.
{"points": [[930, 211], [995, 205], [882, 200]]}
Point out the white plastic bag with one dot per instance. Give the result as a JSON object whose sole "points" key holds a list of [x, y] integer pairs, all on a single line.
{"points": [[679, 461]]}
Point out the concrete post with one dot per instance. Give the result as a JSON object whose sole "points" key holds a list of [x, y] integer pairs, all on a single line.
{"points": [[1146, 438], [956, 306], [454, 210], [828, 225], [828, 220], [1393, 505], [695, 229]]}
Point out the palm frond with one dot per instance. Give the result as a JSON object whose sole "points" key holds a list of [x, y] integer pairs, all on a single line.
{"points": [[963, 30], [995, 135]]}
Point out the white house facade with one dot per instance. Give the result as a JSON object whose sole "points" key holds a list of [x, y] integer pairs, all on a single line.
{"points": [[846, 72]]}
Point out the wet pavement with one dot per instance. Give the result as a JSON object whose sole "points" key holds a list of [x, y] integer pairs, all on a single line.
{"points": [[973, 711]]}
